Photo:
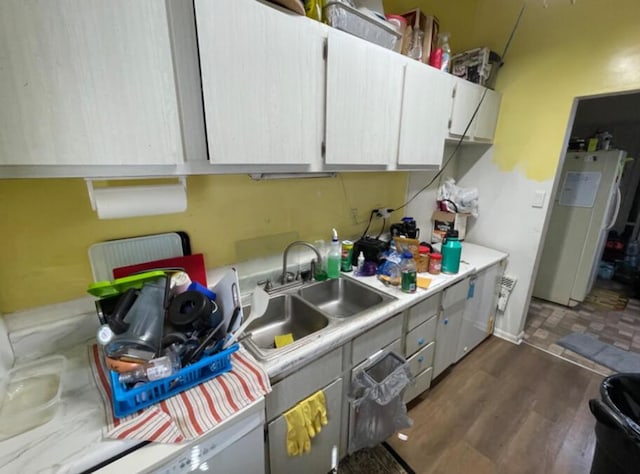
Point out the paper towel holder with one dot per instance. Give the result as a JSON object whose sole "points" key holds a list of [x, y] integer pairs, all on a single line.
{"points": [[138, 200]]}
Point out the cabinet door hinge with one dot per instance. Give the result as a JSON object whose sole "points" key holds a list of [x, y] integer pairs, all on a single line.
{"points": [[325, 49], [453, 92], [323, 149], [449, 125]]}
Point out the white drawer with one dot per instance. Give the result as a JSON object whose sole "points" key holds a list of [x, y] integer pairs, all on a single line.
{"points": [[422, 383], [422, 311], [372, 340], [304, 382], [393, 347], [421, 336], [422, 359]]}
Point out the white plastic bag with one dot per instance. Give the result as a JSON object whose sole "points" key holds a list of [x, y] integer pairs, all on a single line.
{"points": [[457, 199]]}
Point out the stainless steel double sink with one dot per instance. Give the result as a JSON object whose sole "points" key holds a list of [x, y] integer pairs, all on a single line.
{"points": [[308, 310]]}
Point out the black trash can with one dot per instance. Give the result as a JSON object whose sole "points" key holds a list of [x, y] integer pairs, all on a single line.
{"points": [[617, 425]]}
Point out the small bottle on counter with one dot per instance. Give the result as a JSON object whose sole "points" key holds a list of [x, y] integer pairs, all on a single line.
{"points": [[408, 272], [360, 267], [334, 257], [435, 263]]}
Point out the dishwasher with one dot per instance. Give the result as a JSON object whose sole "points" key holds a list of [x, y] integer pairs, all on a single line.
{"points": [[236, 447]]}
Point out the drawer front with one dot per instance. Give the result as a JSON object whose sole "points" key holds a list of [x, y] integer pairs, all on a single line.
{"points": [[422, 359], [424, 310], [423, 382], [372, 340], [421, 336], [393, 347], [456, 293], [304, 382]]}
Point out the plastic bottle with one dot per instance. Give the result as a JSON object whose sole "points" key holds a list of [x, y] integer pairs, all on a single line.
{"points": [[360, 267], [416, 45], [408, 272], [451, 252], [334, 257], [443, 43], [155, 369]]}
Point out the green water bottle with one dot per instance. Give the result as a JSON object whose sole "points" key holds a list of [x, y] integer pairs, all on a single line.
{"points": [[451, 252]]}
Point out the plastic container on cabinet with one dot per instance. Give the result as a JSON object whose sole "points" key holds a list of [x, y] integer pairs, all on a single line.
{"points": [[30, 395]]}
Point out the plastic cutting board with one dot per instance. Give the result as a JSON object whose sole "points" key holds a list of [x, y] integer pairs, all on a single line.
{"points": [[105, 256]]}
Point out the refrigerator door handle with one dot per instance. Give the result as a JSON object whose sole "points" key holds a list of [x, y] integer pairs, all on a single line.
{"points": [[617, 209]]}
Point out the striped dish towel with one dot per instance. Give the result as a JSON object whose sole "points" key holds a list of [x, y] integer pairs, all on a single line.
{"points": [[189, 414]]}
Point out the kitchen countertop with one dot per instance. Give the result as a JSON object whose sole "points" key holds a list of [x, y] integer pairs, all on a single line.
{"points": [[72, 441], [474, 258]]}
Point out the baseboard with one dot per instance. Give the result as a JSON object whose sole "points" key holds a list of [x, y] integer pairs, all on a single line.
{"points": [[507, 336]]}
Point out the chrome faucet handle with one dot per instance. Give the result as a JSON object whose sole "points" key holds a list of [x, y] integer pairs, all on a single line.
{"points": [[268, 286]]}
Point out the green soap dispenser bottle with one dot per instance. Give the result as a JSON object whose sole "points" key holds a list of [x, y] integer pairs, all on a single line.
{"points": [[451, 252], [334, 257]]}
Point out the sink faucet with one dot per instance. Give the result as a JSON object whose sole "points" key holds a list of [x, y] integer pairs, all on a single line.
{"points": [[284, 279]]}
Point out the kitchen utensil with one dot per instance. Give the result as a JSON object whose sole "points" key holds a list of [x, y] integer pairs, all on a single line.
{"points": [[259, 303], [121, 366], [226, 297], [124, 304], [105, 256], [120, 285], [146, 321], [190, 309], [236, 307], [206, 342], [192, 264]]}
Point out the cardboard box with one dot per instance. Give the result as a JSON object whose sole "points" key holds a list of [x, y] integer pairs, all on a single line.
{"points": [[444, 221], [428, 24]]}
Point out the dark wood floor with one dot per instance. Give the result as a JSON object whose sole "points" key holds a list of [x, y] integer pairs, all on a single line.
{"points": [[504, 409]]}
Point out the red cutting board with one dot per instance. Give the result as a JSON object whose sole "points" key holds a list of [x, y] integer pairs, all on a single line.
{"points": [[192, 264]]}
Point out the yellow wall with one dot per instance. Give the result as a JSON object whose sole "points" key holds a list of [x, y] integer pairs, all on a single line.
{"points": [[48, 224], [558, 53]]}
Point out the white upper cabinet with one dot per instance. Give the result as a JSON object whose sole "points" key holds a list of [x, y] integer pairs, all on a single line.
{"points": [[487, 116], [465, 100], [263, 83], [467, 96], [363, 102], [94, 82], [426, 104]]}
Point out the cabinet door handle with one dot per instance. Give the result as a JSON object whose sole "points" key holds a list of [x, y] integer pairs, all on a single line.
{"points": [[421, 359], [420, 341]]}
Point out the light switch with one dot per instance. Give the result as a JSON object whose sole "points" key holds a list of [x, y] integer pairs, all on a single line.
{"points": [[538, 199]]}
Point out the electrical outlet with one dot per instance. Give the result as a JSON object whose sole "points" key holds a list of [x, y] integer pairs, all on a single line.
{"points": [[354, 215]]}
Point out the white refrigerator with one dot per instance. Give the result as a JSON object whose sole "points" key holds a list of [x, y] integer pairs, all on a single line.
{"points": [[585, 208]]}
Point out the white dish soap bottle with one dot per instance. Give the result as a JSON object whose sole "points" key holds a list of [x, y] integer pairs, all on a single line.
{"points": [[334, 257]]}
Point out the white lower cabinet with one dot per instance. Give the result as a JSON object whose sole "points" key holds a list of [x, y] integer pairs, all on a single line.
{"points": [[319, 459], [454, 300]]}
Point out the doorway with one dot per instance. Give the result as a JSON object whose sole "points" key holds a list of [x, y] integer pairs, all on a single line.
{"points": [[611, 310]]}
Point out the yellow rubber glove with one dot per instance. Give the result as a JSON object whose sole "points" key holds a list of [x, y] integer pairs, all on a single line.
{"points": [[320, 409], [309, 414], [298, 441]]}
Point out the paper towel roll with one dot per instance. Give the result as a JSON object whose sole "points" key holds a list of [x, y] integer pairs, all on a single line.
{"points": [[132, 201]]}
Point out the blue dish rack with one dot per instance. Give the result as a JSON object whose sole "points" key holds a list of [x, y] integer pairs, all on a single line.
{"points": [[130, 400]]}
